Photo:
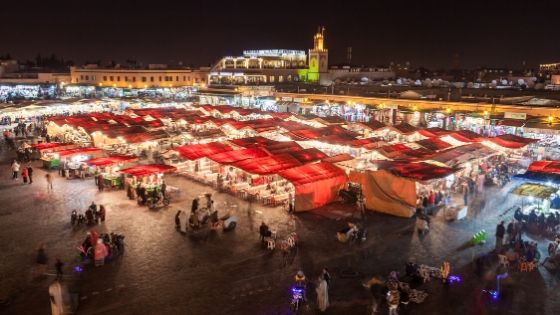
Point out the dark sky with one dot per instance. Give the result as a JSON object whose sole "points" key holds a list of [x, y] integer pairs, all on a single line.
{"points": [[424, 32]]}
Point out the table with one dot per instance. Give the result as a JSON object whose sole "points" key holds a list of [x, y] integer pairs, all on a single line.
{"points": [[51, 163]]}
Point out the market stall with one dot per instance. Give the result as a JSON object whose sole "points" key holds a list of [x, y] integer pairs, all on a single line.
{"points": [[314, 185], [258, 179], [145, 180], [70, 160], [395, 187], [537, 199], [107, 169], [189, 159]]}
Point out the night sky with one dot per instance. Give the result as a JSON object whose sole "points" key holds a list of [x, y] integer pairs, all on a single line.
{"points": [[427, 33]]}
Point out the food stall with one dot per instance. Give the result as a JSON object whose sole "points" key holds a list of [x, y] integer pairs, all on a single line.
{"points": [[189, 158], [108, 168], [258, 179], [148, 177], [70, 159], [537, 197], [314, 185]]}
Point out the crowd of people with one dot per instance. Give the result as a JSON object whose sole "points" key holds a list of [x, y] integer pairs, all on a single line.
{"points": [[546, 225], [93, 215]]}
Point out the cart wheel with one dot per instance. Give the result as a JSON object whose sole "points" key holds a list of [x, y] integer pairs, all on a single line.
{"points": [[231, 226]]}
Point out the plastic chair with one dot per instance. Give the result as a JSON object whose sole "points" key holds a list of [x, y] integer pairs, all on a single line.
{"points": [[270, 244], [531, 266], [504, 262]]}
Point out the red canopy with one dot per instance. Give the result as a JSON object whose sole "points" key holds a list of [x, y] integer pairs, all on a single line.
{"points": [[149, 169], [43, 146], [253, 141], [512, 141], [87, 150], [467, 136], [315, 184], [282, 147], [434, 132], [373, 124], [53, 146], [338, 158], [419, 171], [545, 167], [310, 173], [434, 144], [115, 159], [308, 155], [197, 151], [405, 128], [268, 165], [237, 155]]}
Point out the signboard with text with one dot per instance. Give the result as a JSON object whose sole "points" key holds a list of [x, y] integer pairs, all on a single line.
{"points": [[509, 115]]}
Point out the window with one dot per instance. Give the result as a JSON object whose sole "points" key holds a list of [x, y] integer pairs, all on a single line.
{"points": [[126, 78], [151, 79], [159, 79], [143, 79], [280, 78], [93, 77], [189, 78], [119, 78], [184, 78], [104, 78], [81, 77], [177, 78], [133, 79], [271, 78], [111, 78]]}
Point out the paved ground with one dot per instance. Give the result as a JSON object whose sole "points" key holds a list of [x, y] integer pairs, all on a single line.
{"points": [[166, 272]]}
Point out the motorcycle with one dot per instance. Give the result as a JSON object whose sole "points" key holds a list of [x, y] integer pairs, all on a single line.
{"points": [[154, 202], [206, 218], [297, 298], [352, 233]]}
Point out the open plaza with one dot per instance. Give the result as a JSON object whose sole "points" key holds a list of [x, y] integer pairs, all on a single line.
{"points": [[222, 201]]}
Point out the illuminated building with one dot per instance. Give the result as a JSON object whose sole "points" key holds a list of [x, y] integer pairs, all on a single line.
{"points": [[272, 66], [138, 78]]}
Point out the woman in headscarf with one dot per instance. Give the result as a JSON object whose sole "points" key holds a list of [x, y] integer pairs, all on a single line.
{"points": [[322, 294]]}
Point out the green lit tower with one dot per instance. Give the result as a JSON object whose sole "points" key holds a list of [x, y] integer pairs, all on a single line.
{"points": [[318, 57]]}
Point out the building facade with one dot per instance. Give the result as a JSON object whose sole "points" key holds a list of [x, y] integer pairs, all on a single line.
{"points": [[138, 78], [271, 66]]}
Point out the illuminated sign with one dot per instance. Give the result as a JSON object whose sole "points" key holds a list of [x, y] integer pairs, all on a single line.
{"points": [[509, 115], [273, 53]]}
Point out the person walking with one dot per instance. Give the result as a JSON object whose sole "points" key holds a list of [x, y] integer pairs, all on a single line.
{"points": [[500, 231], [42, 261], [102, 212], [322, 294], [30, 173], [327, 276], [58, 265], [15, 170], [24, 175], [178, 221], [49, 182]]}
